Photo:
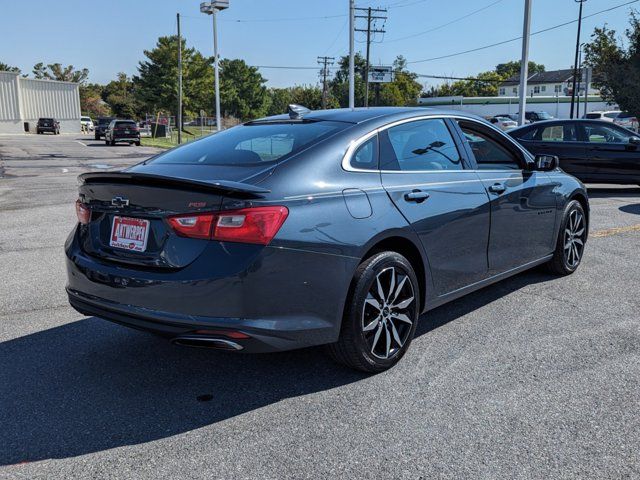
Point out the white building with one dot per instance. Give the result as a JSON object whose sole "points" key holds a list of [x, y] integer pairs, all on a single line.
{"points": [[555, 83], [24, 100]]}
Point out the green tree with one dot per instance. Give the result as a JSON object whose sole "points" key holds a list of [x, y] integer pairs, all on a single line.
{"points": [[56, 71], [339, 85], [512, 68], [156, 85], [307, 95], [91, 102], [405, 88], [120, 96], [8, 68], [616, 67], [242, 91]]}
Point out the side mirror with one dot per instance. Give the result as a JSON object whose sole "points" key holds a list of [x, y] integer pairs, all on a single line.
{"points": [[546, 163], [634, 140]]}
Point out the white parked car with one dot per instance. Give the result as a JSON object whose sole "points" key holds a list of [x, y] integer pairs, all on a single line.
{"points": [[624, 119], [504, 123], [87, 123]]}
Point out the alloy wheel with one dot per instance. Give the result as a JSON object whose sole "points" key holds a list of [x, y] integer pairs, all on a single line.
{"points": [[388, 313], [574, 237]]}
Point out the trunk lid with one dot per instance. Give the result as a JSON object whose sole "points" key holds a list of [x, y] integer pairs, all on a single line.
{"points": [[137, 204]]}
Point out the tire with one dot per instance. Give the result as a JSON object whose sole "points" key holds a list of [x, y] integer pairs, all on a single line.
{"points": [[572, 238], [380, 316], [112, 143], [96, 136], [106, 142], [137, 144]]}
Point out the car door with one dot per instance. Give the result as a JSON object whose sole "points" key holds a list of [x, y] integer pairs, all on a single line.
{"points": [[425, 174], [523, 201], [613, 157]]}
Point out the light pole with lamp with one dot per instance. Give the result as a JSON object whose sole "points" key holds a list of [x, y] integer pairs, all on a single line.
{"points": [[575, 63], [211, 8]]}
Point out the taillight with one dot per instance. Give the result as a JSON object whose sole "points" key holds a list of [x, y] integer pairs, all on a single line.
{"points": [[248, 225], [83, 212]]}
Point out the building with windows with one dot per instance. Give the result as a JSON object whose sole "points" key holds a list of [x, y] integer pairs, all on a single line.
{"points": [[556, 83], [24, 100]]}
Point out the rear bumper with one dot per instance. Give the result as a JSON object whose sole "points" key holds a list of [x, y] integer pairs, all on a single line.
{"points": [[126, 139], [282, 298]]}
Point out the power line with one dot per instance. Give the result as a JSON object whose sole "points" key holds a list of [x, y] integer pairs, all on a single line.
{"points": [[433, 29], [520, 37], [372, 15]]}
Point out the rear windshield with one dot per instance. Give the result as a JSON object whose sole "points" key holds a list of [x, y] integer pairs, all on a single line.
{"points": [[544, 116], [129, 124], [46, 119], [252, 144], [104, 121], [592, 115]]}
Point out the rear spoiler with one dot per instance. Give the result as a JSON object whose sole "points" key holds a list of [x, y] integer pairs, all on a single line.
{"points": [[132, 178]]}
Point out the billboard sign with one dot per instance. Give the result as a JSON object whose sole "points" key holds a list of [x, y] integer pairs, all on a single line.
{"points": [[380, 74]]}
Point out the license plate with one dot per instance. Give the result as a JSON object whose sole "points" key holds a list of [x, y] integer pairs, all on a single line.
{"points": [[126, 131], [129, 233]]}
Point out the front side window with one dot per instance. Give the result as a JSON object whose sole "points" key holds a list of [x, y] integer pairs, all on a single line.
{"points": [[489, 154], [252, 144], [605, 134], [423, 145]]}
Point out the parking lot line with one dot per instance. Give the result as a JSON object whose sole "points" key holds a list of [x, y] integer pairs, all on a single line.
{"points": [[614, 231]]}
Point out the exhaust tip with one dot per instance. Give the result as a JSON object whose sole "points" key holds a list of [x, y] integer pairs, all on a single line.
{"points": [[206, 342]]}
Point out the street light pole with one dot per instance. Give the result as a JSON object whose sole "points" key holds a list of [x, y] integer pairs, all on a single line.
{"points": [[212, 8], [352, 91], [216, 67], [575, 62], [524, 62]]}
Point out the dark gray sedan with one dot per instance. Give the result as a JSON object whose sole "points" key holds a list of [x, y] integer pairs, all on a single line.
{"points": [[334, 227]]}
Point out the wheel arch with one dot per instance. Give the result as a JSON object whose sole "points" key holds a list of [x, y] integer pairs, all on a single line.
{"points": [[408, 249], [581, 197]]}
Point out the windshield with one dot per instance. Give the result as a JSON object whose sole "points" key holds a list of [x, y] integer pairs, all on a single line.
{"points": [[592, 115], [252, 144], [544, 116]]}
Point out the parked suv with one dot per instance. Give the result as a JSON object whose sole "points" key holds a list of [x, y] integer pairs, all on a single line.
{"points": [[48, 125], [103, 123], [87, 123], [122, 131]]}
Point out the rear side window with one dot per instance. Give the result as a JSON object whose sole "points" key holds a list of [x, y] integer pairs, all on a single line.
{"points": [[366, 156], [592, 116], [612, 115], [423, 145], [253, 143], [559, 133]]}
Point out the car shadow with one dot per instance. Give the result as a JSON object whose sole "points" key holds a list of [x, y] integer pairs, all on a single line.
{"points": [[633, 208], [89, 385]]}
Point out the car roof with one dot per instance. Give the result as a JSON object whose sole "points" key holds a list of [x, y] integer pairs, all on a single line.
{"points": [[557, 121], [362, 114]]}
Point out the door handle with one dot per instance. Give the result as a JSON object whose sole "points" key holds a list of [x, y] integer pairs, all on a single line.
{"points": [[497, 188], [417, 196]]}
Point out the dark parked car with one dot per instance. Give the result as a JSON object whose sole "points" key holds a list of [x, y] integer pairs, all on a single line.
{"points": [[537, 116], [120, 131], [592, 150], [335, 227], [50, 125], [101, 126]]}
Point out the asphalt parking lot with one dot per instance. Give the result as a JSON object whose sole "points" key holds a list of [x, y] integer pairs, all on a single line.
{"points": [[534, 377]]}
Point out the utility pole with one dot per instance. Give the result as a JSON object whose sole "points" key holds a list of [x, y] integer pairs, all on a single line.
{"points": [[370, 18], [352, 25], [324, 73], [179, 116], [575, 63], [524, 62]]}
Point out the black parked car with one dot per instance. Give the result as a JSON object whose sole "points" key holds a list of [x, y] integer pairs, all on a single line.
{"points": [[538, 116], [335, 227], [101, 126], [126, 131], [50, 125], [593, 150]]}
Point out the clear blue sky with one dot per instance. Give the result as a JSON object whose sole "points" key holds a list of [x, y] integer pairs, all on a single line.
{"points": [[109, 36]]}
